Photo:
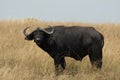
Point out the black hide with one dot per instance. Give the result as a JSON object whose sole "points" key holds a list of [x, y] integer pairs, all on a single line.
{"points": [[75, 42]]}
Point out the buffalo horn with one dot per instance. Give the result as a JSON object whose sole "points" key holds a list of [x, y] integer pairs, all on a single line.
{"points": [[49, 32], [24, 32]]}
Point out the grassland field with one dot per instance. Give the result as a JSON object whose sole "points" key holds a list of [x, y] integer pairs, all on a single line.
{"points": [[23, 60]]}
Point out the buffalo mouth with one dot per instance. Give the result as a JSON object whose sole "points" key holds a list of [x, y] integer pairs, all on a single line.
{"points": [[37, 42]]}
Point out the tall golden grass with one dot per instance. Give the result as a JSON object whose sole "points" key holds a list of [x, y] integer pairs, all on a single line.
{"points": [[23, 60]]}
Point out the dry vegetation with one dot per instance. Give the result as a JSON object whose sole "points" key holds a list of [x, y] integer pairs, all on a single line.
{"points": [[23, 60]]}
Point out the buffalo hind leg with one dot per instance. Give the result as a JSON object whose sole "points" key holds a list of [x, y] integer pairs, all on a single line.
{"points": [[96, 58]]}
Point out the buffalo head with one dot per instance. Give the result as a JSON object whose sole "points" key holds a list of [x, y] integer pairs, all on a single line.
{"points": [[38, 34]]}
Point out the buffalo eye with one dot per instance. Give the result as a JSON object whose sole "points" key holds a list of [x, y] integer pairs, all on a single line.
{"points": [[29, 37]]}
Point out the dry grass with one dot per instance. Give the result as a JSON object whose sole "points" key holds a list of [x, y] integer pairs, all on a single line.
{"points": [[23, 60]]}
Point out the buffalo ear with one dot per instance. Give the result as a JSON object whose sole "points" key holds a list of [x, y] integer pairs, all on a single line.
{"points": [[29, 37]]}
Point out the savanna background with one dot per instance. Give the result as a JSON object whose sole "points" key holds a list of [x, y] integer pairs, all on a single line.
{"points": [[23, 60]]}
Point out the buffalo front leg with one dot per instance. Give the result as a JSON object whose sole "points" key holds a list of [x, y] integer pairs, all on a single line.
{"points": [[57, 62], [63, 63]]}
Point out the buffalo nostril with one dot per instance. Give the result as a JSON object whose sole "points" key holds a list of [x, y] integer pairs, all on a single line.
{"points": [[37, 39]]}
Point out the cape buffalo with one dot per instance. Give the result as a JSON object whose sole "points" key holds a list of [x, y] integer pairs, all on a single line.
{"points": [[75, 42]]}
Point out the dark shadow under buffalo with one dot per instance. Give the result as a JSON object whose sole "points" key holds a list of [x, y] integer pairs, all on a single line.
{"points": [[74, 41]]}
